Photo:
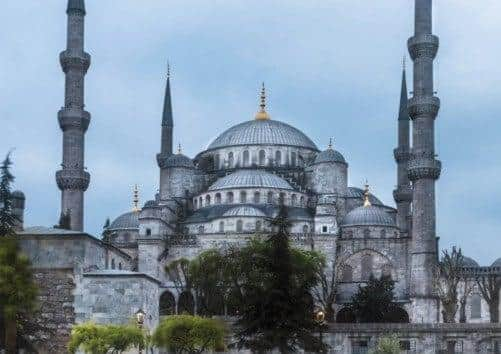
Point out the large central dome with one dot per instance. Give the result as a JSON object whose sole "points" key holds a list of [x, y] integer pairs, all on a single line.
{"points": [[262, 132]]}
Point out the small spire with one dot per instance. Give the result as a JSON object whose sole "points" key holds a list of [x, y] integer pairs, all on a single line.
{"points": [[135, 199], [403, 63], [330, 144], [167, 118], [403, 113], [179, 150], [367, 202], [168, 69], [262, 114]]}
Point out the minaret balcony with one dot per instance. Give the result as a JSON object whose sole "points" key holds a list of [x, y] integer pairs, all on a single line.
{"points": [[423, 107], [401, 154], [77, 60], [422, 166], [423, 46], [402, 194], [73, 118], [72, 179]]}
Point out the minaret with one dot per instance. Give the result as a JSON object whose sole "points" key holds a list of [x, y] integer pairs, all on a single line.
{"points": [[72, 179], [423, 169], [167, 120], [403, 193]]}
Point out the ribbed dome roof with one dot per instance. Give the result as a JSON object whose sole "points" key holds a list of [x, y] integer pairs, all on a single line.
{"points": [[469, 262], [262, 132], [250, 179], [497, 263], [354, 192], [178, 160], [128, 220], [18, 195], [244, 211], [329, 155], [368, 215]]}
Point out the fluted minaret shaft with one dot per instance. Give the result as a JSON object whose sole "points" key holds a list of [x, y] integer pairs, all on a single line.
{"points": [[72, 179], [423, 169], [403, 193]]}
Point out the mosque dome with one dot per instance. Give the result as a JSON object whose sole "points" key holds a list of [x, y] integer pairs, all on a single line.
{"points": [[469, 262], [244, 211], [129, 220], [262, 132], [329, 155], [18, 195], [368, 215], [358, 193], [177, 160], [250, 179], [497, 263]]}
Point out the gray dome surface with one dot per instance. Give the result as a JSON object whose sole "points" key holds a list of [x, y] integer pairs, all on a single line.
{"points": [[178, 160], [354, 192], [469, 262], [128, 220], [497, 263], [368, 215], [329, 155], [250, 179], [262, 132], [18, 195], [244, 211]]}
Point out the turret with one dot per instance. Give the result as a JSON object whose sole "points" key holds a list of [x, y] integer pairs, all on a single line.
{"points": [[177, 176], [423, 169], [72, 179], [403, 193], [18, 205]]}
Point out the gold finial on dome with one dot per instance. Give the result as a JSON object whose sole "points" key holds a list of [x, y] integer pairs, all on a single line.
{"points": [[367, 202], [262, 114], [179, 150], [330, 144], [135, 199]]}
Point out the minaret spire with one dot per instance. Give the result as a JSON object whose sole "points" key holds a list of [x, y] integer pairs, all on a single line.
{"points": [[72, 179], [423, 168], [262, 114], [403, 193], [167, 119]]}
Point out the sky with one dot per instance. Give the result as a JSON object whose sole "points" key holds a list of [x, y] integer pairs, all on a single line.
{"points": [[332, 69]]}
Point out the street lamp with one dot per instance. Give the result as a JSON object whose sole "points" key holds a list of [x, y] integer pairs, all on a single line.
{"points": [[320, 320], [140, 315]]}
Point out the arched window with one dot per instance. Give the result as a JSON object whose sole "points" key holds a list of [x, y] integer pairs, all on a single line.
{"points": [[476, 306], [221, 226], [383, 233], [305, 229], [200, 202], [301, 201], [207, 200], [347, 275], [120, 265], [293, 159], [258, 225], [195, 202], [218, 198], [186, 304], [243, 197], [167, 304], [216, 161], [281, 198], [262, 158], [246, 158], [257, 197], [293, 200], [386, 271], [230, 159], [278, 158], [201, 229], [229, 197], [367, 233], [240, 225], [113, 264], [366, 267], [269, 198]]}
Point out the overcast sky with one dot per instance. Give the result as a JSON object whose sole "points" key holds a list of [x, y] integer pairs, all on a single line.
{"points": [[332, 68]]}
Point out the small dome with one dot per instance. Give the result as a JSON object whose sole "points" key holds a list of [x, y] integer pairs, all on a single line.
{"points": [[150, 204], [329, 155], [497, 263], [128, 220], [250, 179], [354, 192], [469, 262], [262, 132], [244, 211], [177, 160], [18, 195], [368, 215]]}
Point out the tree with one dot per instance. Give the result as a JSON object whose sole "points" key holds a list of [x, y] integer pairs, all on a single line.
{"points": [[7, 218], [447, 278], [388, 345], [325, 292], [178, 272], [276, 308], [373, 303], [190, 334], [489, 285], [101, 339]]}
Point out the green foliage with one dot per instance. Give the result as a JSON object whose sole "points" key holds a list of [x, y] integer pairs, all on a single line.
{"points": [[7, 218], [374, 302], [101, 339], [447, 281], [189, 334], [388, 345]]}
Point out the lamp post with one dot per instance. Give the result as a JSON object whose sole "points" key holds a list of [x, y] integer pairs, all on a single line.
{"points": [[140, 316], [320, 320]]}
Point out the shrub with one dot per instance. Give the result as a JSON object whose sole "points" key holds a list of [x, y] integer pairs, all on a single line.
{"points": [[388, 345]]}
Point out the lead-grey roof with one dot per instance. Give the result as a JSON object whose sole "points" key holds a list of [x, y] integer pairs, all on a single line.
{"points": [[250, 179], [368, 215], [469, 262], [244, 210], [497, 263], [129, 220], [354, 192], [178, 160], [329, 155], [18, 195], [262, 132]]}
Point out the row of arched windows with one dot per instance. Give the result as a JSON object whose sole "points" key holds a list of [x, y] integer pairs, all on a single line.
{"points": [[366, 270], [243, 197], [262, 159], [367, 233]]}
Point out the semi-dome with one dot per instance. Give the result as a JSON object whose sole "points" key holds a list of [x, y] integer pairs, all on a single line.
{"points": [[329, 155], [469, 262], [250, 179], [354, 192], [497, 263], [177, 160], [128, 220], [262, 132], [244, 211], [368, 215]]}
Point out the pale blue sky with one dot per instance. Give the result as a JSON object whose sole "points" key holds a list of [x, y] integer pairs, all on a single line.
{"points": [[332, 68]]}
